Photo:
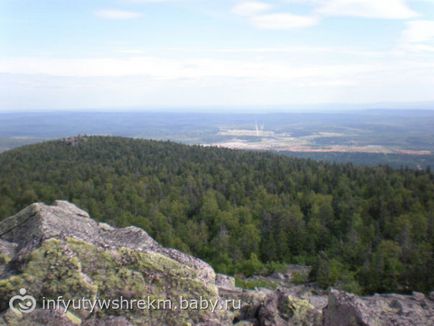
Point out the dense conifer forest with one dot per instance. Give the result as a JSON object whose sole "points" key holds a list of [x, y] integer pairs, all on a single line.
{"points": [[362, 229]]}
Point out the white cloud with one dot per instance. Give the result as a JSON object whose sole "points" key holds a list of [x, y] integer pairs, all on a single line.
{"points": [[160, 68], [250, 8], [299, 50], [146, 80], [383, 9], [283, 21], [260, 15], [208, 82], [267, 16], [116, 14], [419, 31], [419, 48], [417, 37]]}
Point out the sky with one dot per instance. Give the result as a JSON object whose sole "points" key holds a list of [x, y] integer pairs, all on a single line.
{"points": [[81, 54]]}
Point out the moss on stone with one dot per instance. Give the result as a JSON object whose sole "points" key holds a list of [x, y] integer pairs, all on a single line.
{"points": [[53, 270], [74, 269], [299, 311], [4, 259], [129, 273]]}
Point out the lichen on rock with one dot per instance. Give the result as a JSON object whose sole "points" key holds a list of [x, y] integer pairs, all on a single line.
{"points": [[87, 261]]}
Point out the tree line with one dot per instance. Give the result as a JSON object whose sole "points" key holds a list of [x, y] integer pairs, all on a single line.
{"points": [[363, 229]]}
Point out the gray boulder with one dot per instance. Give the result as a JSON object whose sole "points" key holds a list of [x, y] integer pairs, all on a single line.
{"points": [[346, 309], [39, 222], [59, 250]]}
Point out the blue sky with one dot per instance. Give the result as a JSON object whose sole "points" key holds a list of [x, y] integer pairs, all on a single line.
{"points": [[63, 54]]}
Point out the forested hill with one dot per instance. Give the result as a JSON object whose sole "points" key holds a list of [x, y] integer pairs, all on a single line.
{"points": [[363, 229]]}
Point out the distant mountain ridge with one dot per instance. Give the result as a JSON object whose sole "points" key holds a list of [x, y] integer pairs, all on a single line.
{"points": [[363, 137]]}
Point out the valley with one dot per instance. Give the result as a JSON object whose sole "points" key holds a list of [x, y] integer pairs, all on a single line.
{"points": [[397, 138]]}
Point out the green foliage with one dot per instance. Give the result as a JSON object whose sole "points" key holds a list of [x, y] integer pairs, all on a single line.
{"points": [[273, 266], [243, 211], [251, 266], [254, 283], [328, 271], [385, 267], [300, 278], [333, 273]]}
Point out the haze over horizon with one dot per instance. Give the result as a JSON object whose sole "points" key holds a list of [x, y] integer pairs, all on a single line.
{"points": [[123, 54]]}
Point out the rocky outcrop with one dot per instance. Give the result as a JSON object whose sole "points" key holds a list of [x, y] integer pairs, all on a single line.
{"points": [[7, 251], [346, 309], [40, 222], [267, 307], [59, 251], [225, 282]]}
